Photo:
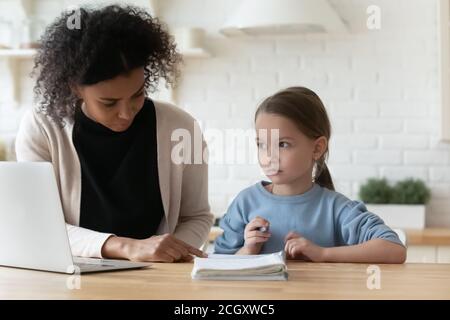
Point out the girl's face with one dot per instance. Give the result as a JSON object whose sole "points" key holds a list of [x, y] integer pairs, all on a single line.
{"points": [[115, 102], [292, 158]]}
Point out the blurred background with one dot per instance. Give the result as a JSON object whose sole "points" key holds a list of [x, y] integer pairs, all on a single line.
{"points": [[380, 66]]}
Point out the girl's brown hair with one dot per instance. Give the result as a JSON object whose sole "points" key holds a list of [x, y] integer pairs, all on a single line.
{"points": [[302, 106]]}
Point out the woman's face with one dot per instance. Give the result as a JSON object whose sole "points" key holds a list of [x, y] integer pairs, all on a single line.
{"points": [[115, 102], [291, 157]]}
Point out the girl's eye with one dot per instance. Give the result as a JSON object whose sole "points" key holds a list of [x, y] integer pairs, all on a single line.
{"points": [[284, 144], [261, 145]]}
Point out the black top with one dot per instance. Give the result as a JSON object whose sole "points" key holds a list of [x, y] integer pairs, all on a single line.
{"points": [[120, 191]]}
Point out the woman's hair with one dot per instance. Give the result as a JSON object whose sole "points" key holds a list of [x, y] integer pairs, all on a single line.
{"points": [[108, 42], [304, 108]]}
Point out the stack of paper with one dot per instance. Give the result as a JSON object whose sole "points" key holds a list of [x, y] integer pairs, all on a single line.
{"points": [[240, 267]]}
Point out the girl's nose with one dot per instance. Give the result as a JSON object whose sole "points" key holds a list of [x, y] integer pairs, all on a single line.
{"points": [[267, 159], [264, 160]]}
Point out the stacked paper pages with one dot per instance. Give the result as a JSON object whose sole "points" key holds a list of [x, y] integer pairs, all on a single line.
{"points": [[240, 267]]}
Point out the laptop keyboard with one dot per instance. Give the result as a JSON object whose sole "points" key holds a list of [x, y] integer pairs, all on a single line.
{"points": [[88, 264], [94, 264], [86, 267]]}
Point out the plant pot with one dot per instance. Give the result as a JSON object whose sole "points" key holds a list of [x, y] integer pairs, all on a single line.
{"points": [[403, 216]]}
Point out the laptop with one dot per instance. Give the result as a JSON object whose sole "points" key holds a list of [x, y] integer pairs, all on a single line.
{"points": [[33, 233]]}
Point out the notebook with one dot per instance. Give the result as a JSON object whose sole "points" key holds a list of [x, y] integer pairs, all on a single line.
{"points": [[241, 267]]}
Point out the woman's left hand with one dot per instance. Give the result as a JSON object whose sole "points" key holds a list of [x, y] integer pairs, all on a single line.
{"points": [[300, 248]]}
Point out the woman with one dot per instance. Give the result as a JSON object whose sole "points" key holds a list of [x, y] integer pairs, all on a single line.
{"points": [[110, 145]]}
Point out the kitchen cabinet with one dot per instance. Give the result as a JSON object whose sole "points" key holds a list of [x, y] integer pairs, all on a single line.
{"points": [[430, 245], [444, 66], [14, 56]]}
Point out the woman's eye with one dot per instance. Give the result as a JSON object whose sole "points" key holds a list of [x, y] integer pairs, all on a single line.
{"points": [[109, 103], [140, 94], [284, 145]]}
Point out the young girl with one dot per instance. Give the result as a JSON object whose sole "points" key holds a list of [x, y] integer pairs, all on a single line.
{"points": [[299, 211]]}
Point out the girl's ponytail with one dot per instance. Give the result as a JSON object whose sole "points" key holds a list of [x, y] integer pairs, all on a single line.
{"points": [[322, 176]]}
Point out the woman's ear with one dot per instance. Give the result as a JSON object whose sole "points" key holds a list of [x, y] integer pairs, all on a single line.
{"points": [[320, 146], [76, 90]]}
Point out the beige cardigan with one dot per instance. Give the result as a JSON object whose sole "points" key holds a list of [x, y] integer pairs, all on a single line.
{"points": [[184, 187]]}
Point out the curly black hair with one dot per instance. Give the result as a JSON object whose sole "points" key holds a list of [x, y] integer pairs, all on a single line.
{"points": [[109, 41]]}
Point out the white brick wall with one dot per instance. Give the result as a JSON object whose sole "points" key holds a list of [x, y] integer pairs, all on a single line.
{"points": [[380, 88]]}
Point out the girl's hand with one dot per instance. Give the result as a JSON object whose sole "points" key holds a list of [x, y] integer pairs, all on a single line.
{"points": [[254, 239], [301, 248]]}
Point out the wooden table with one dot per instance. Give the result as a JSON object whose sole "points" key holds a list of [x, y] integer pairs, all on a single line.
{"points": [[429, 236], [172, 281]]}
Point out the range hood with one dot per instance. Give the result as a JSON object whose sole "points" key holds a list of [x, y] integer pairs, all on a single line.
{"points": [[258, 17]]}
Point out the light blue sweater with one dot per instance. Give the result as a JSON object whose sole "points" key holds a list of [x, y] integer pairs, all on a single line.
{"points": [[325, 217]]}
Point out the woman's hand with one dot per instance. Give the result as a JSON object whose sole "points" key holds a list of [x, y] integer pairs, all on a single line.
{"points": [[163, 248], [301, 248], [254, 239]]}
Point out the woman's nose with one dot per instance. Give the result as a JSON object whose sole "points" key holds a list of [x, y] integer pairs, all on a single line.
{"points": [[126, 113]]}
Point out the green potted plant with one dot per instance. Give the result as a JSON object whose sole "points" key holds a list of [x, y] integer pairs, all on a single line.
{"points": [[402, 205], [2, 151]]}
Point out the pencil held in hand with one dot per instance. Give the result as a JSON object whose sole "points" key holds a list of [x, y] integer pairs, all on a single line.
{"points": [[254, 236]]}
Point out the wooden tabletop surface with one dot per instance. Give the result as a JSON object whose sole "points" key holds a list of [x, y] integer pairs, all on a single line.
{"points": [[173, 281], [429, 236]]}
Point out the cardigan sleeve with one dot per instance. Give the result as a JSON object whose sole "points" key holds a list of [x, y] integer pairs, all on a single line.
{"points": [[195, 218], [33, 144]]}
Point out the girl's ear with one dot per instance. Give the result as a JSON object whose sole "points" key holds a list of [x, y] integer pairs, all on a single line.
{"points": [[320, 146]]}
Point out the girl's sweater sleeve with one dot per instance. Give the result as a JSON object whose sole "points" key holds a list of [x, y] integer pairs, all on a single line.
{"points": [[356, 225], [233, 224]]}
